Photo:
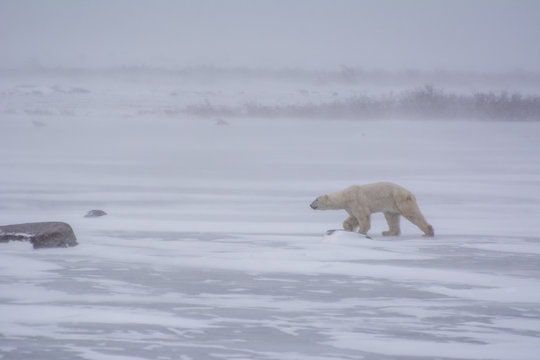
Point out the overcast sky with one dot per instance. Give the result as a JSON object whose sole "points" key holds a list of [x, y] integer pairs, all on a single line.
{"points": [[478, 35]]}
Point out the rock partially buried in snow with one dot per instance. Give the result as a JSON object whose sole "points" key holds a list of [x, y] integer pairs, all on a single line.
{"points": [[95, 213], [345, 233], [221, 122], [41, 235]]}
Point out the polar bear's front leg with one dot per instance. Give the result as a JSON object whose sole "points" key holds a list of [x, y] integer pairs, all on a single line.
{"points": [[364, 223], [350, 223]]}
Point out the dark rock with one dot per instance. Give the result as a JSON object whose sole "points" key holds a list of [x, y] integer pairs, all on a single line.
{"points": [[95, 213], [41, 235], [37, 123], [221, 122]]}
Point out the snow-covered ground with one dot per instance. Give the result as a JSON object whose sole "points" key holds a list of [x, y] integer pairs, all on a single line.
{"points": [[210, 250]]}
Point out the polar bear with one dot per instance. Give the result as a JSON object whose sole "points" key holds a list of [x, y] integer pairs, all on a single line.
{"points": [[360, 201]]}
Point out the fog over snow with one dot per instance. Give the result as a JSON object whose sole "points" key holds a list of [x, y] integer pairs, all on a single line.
{"points": [[480, 35], [204, 129]]}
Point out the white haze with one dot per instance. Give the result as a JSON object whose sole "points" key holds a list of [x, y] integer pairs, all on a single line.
{"points": [[493, 36], [210, 250]]}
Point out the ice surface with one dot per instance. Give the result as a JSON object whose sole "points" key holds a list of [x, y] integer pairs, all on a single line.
{"points": [[210, 250]]}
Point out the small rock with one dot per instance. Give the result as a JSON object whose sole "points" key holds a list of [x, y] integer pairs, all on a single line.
{"points": [[38, 123], [221, 122], [41, 235], [95, 213]]}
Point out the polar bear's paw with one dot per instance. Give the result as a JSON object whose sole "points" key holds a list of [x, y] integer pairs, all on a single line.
{"points": [[430, 232], [350, 223]]}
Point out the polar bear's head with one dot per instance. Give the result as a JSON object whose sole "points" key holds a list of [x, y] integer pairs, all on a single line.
{"points": [[322, 202]]}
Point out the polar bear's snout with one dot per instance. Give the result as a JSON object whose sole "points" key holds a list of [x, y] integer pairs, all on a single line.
{"points": [[320, 203]]}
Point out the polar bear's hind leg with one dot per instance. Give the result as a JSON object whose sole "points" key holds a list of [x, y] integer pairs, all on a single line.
{"points": [[393, 224], [409, 209]]}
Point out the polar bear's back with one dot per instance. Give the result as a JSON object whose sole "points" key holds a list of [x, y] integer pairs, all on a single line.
{"points": [[382, 196], [383, 187]]}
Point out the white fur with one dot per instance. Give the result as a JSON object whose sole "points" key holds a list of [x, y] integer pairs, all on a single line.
{"points": [[360, 201]]}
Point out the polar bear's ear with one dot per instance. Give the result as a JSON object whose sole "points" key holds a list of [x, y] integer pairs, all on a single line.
{"points": [[325, 198]]}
